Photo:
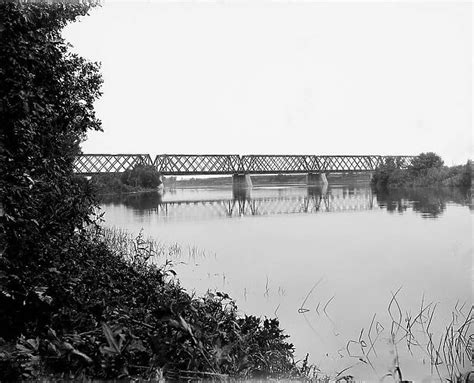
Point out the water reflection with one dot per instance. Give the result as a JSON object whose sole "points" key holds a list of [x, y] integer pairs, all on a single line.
{"points": [[430, 203], [255, 202], [225, 202]]}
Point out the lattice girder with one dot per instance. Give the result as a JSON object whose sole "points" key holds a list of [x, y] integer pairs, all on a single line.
{"points": [[191, 164], [271, 164], [348, 163], [90, 164], [205, 164]]}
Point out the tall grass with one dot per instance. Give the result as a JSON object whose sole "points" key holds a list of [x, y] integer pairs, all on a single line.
{"points": [[449, 351]]}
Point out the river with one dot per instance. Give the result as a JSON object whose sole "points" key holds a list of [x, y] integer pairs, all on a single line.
{"points": [[347, 271]]}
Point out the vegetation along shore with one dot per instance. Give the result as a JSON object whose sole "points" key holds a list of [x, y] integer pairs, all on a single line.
{"points": [[141, 178], [73, 303], [425, 170]]}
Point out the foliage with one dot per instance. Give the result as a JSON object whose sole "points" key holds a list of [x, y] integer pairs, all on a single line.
{"points": [[114, 316], [72, 304], [140, 178], [426, 169], [110, 183], [145, 176], [47, 107], [424, 162]]}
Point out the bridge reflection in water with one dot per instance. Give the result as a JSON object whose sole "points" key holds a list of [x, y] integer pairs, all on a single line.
{"points": [[188, 203]]}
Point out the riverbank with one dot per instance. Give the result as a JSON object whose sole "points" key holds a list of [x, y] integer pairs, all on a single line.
{"points": [[426, 170], [106, 312], [142, 178]]}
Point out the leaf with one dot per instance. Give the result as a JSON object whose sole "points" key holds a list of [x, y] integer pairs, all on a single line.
{"points": [[222, 353], [114, 346], [81, 355], [136, 345], [185, 326]]}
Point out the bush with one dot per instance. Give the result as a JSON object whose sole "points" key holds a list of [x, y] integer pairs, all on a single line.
{"points": [[73, 304], [140, 178], [47, 107], [424, 162], [427, 169], [107, 313], [144, 176]]}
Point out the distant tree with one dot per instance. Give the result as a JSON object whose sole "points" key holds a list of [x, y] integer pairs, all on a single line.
{"points": [[424, 161], [382, 174], [145, 176]]}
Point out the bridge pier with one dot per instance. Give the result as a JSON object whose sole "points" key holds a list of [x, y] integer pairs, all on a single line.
{"points": [[241, 181], [316, 179], [317, 191], [241, 194]]}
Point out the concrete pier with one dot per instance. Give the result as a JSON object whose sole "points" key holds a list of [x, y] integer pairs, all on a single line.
{"points": [[241, 194], [241, 181], [316, 179], [471, 166]]}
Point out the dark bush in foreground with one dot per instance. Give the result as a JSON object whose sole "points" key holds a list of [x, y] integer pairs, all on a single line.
{"points": [[100, 315], [72, 304]]}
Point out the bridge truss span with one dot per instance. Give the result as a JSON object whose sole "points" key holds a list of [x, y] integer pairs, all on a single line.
{"points": [[272, 164], [226, 164], [194, 164], [89, 164], [355, 163]]}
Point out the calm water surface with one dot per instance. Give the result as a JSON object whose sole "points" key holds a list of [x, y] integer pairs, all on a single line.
{"points": [[325, 262]]}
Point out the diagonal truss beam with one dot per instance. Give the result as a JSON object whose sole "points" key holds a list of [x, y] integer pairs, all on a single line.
{"points": [[225, 164], [89, 164], [188, 164]]}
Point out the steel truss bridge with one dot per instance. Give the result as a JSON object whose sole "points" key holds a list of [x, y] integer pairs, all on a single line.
{"points": [[207, 164]]}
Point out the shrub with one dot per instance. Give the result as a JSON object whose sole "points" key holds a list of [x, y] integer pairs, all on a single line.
{"points": [[47, 107], [73, 305], [427, 169], [137, 179], [108, 314], [145, 176], [424, 162]]}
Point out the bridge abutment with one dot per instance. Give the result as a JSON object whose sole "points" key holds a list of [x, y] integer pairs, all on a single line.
{"points": [[241, 181], [316, 179]]}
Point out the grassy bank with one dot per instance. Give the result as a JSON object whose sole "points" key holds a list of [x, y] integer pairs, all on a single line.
{"points": [[105, 312], [426, 170]]}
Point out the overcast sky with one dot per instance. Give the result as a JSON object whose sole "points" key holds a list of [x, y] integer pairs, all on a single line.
{"points": [[281, 78]]}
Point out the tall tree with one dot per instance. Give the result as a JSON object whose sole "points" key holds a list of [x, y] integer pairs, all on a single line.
{"points": [[425, 161], [47, 95]]}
